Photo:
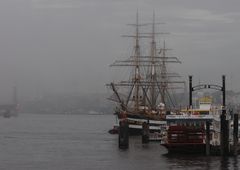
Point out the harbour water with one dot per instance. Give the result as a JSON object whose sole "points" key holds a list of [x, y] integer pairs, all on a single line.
{"points": [[75, 142]]}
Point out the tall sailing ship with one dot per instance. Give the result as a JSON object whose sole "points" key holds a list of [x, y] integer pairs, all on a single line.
{"points": [[147, 94]]}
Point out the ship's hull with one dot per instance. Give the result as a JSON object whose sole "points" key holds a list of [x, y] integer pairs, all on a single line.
{"points": [[191, 149], [133, 130], [185, 148], [156, 127]]}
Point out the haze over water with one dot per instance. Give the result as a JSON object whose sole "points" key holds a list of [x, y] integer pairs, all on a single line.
{"points": [[73, 142], [50, 47], [66, 46]]}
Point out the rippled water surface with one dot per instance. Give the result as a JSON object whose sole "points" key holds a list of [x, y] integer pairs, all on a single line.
{"points": [[75, 142]]}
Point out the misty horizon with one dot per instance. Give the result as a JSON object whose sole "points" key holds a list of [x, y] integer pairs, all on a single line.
{"points": [[63, 46]]}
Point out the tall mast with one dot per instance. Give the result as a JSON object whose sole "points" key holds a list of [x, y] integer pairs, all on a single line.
{"points": [[148, 83], [164, 85], [137, 71], [153, 71], [134, 62]]}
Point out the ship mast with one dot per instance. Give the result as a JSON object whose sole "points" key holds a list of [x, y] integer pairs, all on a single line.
{"points": [[134, 61], [163, 74], [137, 71], [158, 76], [153, 70], [155, 63], [149, 82]]}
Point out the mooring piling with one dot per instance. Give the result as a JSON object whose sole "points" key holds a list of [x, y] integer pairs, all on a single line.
{"points": [[145, 132], [235, 134], [123, 136], [207, 138]]}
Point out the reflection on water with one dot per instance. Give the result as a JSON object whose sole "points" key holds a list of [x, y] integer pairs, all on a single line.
{"points": [[235, 163], [229, 163], [202, 162], [192, 162], [73, 142]]}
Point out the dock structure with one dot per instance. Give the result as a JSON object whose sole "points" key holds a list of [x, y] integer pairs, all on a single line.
{"points": [[205, 129], [225, 147], [198, 134]]}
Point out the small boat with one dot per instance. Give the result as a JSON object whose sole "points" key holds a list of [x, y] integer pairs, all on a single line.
{"points": [[114, 130]]}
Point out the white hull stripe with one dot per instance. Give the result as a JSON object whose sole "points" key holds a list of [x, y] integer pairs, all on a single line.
{"points": [[150, 121], [140, 127]]}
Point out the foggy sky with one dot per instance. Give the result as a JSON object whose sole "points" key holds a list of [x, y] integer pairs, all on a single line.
{"points": [[67, 45]]}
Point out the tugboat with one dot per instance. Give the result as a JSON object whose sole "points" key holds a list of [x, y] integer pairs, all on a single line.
{"points": [[145, 95]]}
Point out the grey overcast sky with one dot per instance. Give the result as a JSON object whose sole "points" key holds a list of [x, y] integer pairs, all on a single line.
{"points": [[67, 45]]}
